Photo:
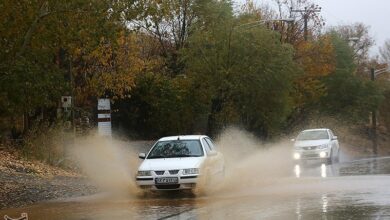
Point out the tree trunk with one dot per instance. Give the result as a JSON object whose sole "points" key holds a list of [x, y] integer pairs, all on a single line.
{"points": [[43, 11]]}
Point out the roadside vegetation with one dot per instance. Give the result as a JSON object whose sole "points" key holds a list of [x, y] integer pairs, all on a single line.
{"points": [[179, 67]]}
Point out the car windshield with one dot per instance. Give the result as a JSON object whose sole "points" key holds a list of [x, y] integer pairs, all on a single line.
{"points": [[176, 148], [312, 135]]}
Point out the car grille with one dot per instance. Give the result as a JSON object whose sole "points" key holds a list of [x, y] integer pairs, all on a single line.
{"points": [[171, 186], [173, 172], [310, 155], [309, 148], [160, 172]]}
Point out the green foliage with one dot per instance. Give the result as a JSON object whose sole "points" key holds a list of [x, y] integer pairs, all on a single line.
{"points": [[160, 105], [40, 39], [247, 72], [26, 86], [348, 96], [175, 67]]}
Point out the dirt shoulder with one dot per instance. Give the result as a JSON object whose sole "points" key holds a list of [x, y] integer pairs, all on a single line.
{"points": [[25, 182]]}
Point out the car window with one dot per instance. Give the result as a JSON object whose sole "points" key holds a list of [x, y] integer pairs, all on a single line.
{"points": [[206, 146], [211, 144], [331, 133], [176, 148], [313, 135]]}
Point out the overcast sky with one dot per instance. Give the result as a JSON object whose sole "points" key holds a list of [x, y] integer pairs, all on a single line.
{"points": [[375, 13]]}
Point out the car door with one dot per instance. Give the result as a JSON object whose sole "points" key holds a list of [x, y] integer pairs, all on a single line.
{"points": [[211, 165], [217, 158]]}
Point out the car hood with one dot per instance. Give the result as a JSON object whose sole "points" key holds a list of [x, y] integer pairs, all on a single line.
{"points": [[308, 143], [171, 163]]}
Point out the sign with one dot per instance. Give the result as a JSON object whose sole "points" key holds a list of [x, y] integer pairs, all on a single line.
{"points": [[104, 117], [66, 101], [104, 104]]}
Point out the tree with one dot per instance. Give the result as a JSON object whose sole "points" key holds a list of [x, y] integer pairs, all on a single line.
{"points": [[160, 106], [241, 69], [110, 69], [307, 23], [348, 95], [42, 40], [169, 22], [316, 58], [359, 36], [163, 103], [385, 52]]}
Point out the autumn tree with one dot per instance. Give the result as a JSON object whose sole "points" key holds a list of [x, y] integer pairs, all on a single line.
{"points": [[42, 40], [247, 72], [317, 61], [385, 52], [314, 55], [29, 79], [110, 69], [348, 96], [168, 100], [307, 23], [358, 35]]}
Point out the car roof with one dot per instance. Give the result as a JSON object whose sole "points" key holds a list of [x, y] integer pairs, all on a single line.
{"points": [[182, 137]]}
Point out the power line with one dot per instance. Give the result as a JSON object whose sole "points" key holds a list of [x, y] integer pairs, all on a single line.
{"points": [[305, 13]]}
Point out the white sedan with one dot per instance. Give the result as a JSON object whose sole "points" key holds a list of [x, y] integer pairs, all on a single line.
{"points": [[316, 144], [174, 163]]}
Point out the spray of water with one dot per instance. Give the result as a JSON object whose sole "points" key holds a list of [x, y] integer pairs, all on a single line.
{"points": [[250, 163], [109, 163]]}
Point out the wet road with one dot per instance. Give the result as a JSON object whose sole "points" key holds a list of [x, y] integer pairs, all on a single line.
{"points": [[351, 190]]}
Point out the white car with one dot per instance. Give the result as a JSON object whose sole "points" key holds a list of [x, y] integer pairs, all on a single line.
{"points": [[174, 163], [318, 144]]}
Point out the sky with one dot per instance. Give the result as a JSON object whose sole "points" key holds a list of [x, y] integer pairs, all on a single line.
{"points": [[374, 13]]}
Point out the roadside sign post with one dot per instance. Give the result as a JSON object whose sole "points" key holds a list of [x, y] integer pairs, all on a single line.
{"points": [[104, 117]]}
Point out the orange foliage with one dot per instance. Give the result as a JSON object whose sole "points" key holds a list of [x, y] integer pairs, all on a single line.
{"points": [[111, 68], [317, 60]]}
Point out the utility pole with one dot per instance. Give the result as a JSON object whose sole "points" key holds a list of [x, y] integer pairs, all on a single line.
{"points": [[373, 119], [373, 74], [305, 14]]}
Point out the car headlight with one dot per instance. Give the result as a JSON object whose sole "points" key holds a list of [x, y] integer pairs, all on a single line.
{"points": [[297, 156], [323, 154], [144, 173], [191, 171], [324, 146]]}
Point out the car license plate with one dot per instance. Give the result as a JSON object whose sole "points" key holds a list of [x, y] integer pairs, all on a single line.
{"points": [[167, 180]]}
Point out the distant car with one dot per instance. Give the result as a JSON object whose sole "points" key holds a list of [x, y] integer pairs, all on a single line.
{"points": [[316, 144], [174, 163]]}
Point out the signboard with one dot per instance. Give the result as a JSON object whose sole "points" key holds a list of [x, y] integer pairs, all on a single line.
{"points": [[104, 104], [104, 117], [66, 101]]}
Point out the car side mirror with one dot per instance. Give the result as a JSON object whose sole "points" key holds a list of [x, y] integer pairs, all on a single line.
{"points": [[334, 138], [292, 139], [142, 156]]}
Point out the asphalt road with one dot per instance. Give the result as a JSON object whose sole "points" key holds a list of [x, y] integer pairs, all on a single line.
{"points": [[357, 189]]}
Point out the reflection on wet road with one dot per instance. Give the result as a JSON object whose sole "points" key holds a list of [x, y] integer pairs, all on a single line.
{"points": [[352, 190]]}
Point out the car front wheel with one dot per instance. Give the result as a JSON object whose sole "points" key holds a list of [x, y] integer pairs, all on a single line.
{"points": [[337, 158], [330, 159]]}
